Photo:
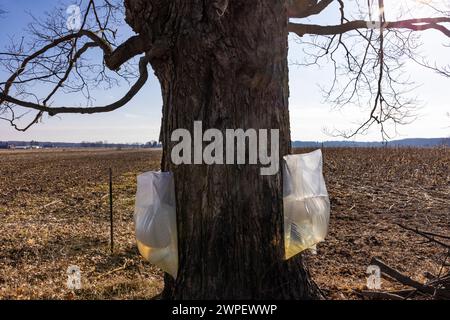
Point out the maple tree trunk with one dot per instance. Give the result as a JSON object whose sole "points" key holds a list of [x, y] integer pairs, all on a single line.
{"points": [[228, 71]]}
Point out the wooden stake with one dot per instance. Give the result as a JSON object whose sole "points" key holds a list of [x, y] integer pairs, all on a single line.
{"points": [[111, 216]]}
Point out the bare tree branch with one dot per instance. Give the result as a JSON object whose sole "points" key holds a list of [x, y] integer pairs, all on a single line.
{"points": [[410, 24], [60, 62], [369, 58], [89, 110], [306, 8]]}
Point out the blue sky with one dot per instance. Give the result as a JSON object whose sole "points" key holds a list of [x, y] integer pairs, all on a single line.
{"points": [[310, 115]]}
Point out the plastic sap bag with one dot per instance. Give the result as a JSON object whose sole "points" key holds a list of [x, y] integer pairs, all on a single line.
{"points": [[155, 220], [306, 202]]}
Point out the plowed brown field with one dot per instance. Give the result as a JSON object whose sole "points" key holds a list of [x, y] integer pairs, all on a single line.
{"points": [[54, 213]]}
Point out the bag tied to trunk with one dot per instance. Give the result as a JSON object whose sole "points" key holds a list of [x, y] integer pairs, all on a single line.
{"points": [[155, 220], [306, 202]]}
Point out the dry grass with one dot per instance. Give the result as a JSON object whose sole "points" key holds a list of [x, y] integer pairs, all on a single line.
{"points": [[54, 213]]}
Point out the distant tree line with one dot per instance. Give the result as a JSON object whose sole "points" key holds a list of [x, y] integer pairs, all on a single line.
{"points": [[84, 144], [420, 143]]}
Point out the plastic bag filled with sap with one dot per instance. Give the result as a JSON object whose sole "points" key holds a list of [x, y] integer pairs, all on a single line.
{"points": [[155, 220], [306, 203]]}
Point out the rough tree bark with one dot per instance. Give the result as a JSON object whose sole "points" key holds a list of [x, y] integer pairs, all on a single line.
{"points": [[224, 64]]}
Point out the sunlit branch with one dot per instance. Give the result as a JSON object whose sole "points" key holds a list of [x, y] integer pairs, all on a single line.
{"points": [[410, 24]]}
